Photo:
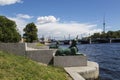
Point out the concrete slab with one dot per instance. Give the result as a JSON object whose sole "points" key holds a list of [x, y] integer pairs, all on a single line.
{"points": [[91, 71]]}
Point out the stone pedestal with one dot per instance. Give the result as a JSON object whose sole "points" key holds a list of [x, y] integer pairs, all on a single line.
{"points": [[70, 61]]}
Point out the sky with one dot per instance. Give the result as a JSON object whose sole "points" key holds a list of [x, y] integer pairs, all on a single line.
{"points": [[61, 18]]}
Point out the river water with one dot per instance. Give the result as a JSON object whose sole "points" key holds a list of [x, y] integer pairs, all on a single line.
{"points": [[106, 55]]}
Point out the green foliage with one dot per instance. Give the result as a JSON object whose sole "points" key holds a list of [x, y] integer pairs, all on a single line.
{"points": [[96, 35], [8, 30], [21, 68], [30, 32], [109, 34]]}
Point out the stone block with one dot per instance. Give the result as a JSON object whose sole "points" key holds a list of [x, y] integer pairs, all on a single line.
{"points": [[70, 61], [15, 48], [43, 56]]}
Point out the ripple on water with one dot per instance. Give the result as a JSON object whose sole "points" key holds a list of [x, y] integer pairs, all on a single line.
{"points": [[108, 57], [109, 74]]}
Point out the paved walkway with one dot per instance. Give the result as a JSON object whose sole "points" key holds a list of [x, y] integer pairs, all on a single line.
{"points": [[91, 71], [30, 49]]}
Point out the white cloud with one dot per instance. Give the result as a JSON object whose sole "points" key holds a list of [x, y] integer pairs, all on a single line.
{"points": [[59, 30], [24, 16], [21, 21], [47, 19], [8, 2]]}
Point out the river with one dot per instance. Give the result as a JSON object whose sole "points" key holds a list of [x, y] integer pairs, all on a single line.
{"points": [[106, 55]]}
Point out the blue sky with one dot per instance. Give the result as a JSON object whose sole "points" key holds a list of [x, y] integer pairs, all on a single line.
{"points": [[85, 15]]}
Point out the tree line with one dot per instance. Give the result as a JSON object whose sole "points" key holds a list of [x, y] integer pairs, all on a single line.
{"points": [[9, 32], [108, 35]]}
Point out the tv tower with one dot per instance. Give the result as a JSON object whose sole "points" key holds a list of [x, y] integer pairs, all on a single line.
{"points": [[104, 24]]}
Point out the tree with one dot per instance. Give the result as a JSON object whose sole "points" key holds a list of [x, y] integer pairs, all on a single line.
{"points": [[30, 34], [109, 34], [8, 30], [96, 35]]}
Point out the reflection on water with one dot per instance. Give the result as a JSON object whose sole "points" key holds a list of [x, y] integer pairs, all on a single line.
{"points": [[108, 57]]}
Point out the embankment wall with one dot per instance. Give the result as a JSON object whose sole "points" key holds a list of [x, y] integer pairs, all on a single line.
{"points": [[36, 46], [15, 48], [43, 55]]}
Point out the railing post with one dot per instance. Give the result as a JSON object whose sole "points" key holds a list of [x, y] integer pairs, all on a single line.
{"points": [[90, 41], [110, 40]]}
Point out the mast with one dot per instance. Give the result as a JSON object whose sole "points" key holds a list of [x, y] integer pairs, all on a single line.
{"points": [[69, 37], [104, 24]]}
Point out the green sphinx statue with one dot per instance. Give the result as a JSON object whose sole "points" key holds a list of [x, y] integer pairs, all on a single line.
{"points": [[54, 46], [72, 50]]}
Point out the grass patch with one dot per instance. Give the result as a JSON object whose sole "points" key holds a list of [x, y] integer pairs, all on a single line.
{"points": [[40, 44], [14, 67]]}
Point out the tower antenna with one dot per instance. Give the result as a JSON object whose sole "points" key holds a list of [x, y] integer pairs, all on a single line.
{"points": [[104, 23]]}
